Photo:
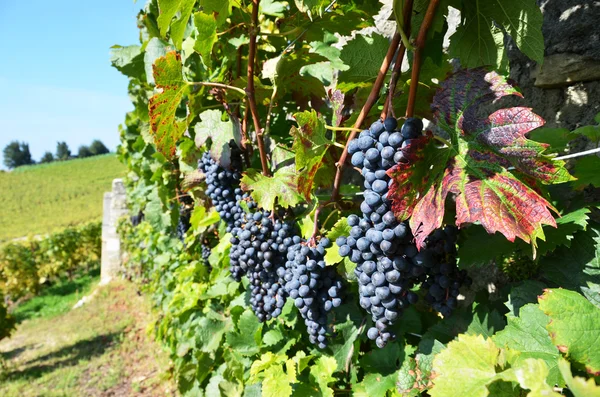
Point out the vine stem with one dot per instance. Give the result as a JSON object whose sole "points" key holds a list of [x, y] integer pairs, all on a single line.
{"points": [[219, 85], [250, 88], [373, 95], [407, 14], [417, 55], [332, 128]]}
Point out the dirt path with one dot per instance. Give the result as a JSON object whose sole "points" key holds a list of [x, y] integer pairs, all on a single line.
{"points": [[99, 349]]}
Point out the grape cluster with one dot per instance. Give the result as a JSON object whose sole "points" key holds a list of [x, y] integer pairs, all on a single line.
{"points": [[137, 219], [258, 250], [315, 288], [388, 263], [223, 188]]}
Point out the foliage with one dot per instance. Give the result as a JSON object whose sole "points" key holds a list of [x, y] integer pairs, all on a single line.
{"points": [[83, 151], [17, 154], [97, 148], [62, 151], [190, 96], [26, 266], [48, 157], [46, 198]]}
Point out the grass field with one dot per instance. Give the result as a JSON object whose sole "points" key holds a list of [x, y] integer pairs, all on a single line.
{"points": [[43, 198], [99, 349]]}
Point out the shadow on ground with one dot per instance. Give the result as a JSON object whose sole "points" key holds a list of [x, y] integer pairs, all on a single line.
{"points": [[67, 356]]}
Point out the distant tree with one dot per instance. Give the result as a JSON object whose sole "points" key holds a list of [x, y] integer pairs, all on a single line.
{"points": [[17, 154], [97, 147], [48, 157], [84, 151], [62, 151]]}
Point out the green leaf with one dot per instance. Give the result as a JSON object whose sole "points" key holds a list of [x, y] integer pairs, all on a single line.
{"points": [[322, 372], [474, 237], [566, 227], [220, 132], [311, 7], [346, 326], [209, 333], [473, 360], [530, 374], [414, 375], [206, 26], [362, 56], [128, 60], [341, 228], [246, 341], [586, 171], [578, 266], [592, 132], [272, 337], [478, 41], [528, 336], [274, 8], [573, 327], [557, 138], [220, 9], [165, 128], [380, 369], [580, 387], [201, 221], [168, 10], [267, 190], [276, 383], [525, 292], [156, 48]]}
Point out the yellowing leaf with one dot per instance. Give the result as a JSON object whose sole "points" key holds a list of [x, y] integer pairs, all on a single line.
{"points": [[165, 128], [281, 188]]}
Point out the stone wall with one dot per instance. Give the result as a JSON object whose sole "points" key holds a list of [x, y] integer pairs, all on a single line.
{"points": [[565, 89], [115, 206]]}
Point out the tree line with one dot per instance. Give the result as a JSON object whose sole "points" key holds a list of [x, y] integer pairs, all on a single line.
{"points": [[17, 153]]}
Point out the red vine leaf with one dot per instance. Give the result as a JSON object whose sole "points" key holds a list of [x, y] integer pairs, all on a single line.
{"points": [[475, 165], [165, 128], [310, 146]]}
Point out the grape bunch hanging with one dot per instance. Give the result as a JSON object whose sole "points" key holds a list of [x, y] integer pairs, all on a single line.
{"points": [[388, 264], [270, 252]]}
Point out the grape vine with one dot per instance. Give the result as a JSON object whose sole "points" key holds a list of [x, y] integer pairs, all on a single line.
{"points": [[331, 199]]}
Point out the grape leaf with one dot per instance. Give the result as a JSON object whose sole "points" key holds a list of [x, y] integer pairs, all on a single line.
{"points": [[586, 171], [574, 326], [220, 9], [276, 383], [566, 227], [155, 49], [472, 359], [284, 71], [207, 36], [578, 266], [281, 188], [580, 387], [200, 220], [181, 9], [528, 336], [128, 60], [310, 146], [480, 41], [272, 337], [414, 375], [520, 295], [209, 333], [322, 372], [247, 340], [220, 132], [474, 165], [341, 228], [165, 128], [362, 55], [380, 369]]}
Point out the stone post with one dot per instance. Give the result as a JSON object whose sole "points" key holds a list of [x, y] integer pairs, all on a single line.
{"points": [[115, 206]]}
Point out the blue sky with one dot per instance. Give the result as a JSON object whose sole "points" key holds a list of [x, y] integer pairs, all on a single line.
{"points": [[56, 82]]}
